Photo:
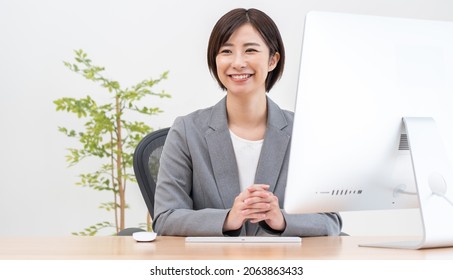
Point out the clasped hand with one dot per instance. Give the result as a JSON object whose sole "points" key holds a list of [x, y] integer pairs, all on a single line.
{"points": [[255, 204]]}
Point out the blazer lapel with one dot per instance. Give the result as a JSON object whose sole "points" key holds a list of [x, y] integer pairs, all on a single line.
{"points": [[273, 153], [222, 156], [274, 148]]}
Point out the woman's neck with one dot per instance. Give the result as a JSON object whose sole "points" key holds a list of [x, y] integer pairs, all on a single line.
{"points": [[247, 117]]}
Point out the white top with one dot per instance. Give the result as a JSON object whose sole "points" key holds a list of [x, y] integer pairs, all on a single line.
{"points": [[247, 155]]}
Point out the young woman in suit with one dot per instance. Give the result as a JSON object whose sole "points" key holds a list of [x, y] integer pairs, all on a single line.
{"points": [[223, 169]]}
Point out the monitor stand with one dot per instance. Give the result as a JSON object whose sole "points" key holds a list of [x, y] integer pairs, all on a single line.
{"points": [[433, 175]]}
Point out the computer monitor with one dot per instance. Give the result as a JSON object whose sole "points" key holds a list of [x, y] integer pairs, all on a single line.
{"points": [[373, 124]]}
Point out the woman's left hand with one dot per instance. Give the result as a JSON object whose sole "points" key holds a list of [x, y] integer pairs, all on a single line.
{"points": [[273, 216]]}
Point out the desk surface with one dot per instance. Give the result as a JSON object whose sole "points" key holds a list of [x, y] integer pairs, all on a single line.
{"points": [[165, 248]]}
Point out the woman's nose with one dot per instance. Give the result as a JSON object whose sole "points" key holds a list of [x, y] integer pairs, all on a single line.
{"points": [[239, 61]]}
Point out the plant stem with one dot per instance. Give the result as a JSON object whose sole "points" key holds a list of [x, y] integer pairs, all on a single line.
{"points": [[115, 200], [119, 159], [148, 222]]}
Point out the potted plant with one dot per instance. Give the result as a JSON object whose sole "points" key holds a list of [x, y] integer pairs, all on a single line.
{"points": [[110, 133]]}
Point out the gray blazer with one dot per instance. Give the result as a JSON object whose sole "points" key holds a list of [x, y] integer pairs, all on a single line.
{"points": [[198, 177]]}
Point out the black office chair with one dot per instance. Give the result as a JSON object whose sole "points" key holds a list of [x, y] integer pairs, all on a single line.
{"points": [[146, 166]]}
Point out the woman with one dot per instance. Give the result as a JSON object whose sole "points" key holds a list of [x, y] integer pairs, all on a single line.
{"points": [[223, 169]]}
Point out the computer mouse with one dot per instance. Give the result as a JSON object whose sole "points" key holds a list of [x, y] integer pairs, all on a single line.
{"points": [[144, 236]]}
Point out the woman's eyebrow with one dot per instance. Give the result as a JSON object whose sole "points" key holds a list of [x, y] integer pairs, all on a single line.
{"points": [[245, 45], [251, 44]]}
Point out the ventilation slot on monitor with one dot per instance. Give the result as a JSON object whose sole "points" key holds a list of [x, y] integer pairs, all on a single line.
{"points": [[404, 144], [339, 192]]}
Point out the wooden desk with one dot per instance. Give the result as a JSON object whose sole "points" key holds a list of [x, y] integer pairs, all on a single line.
{"points": [[166, 248]]}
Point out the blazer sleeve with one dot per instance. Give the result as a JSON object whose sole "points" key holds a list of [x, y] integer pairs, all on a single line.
{"points": [[318, 224], [174, 205]]}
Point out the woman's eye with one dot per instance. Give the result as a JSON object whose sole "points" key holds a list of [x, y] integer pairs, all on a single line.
{"points": [[251, 50], [225, 51]]}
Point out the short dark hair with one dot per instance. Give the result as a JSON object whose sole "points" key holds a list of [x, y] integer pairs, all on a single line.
{"points": [[267, 28]]}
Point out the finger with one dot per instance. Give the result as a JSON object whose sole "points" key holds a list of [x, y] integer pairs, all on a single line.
{"points": [[250, 213], [258, 198], [239, 204], [270, 209], [254, 197], [257, 187], [256, 217], [258, 207]]}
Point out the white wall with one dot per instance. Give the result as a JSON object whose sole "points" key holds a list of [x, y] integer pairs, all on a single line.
{"points": [[134, 39]]}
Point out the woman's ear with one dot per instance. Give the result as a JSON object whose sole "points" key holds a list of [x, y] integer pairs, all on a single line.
{"points": [[273, 61]]}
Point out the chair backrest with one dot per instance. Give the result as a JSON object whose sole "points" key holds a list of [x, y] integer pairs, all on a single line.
{"points": [[146, 164]]}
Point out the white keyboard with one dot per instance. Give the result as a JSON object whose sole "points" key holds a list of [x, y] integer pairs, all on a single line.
{"points": [[243, 239]]}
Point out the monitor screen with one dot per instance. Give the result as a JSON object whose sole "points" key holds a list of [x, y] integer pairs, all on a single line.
{"points": [[359, 76]]}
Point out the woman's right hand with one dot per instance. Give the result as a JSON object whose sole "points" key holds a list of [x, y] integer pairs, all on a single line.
{"points": [[251, 204]]}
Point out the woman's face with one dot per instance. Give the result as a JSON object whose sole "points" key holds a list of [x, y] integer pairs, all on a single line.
{"points": [[243, 62]]}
